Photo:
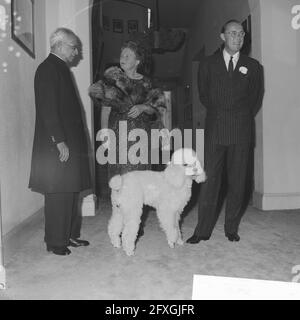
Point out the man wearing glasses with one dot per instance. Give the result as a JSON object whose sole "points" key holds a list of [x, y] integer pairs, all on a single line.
{"points": [[230, 88], [60, 165]]}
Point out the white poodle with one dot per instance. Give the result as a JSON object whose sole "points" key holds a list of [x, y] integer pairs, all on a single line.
{"points": [[167, 191]]}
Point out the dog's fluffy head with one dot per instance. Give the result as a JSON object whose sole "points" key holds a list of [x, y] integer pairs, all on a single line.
{"points": [[188, 159]]}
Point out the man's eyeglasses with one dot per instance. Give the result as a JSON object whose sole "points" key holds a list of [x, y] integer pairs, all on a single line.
{"points": [[235, 34], [73, 47]]}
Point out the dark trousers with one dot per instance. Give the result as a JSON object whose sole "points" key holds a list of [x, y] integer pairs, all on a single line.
{"points": [[236, 158], [62, 219]]}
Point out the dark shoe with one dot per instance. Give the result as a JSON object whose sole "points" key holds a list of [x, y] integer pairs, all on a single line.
{"points": [[233, 237], [195, 239], [78, 243], [61, 251]]}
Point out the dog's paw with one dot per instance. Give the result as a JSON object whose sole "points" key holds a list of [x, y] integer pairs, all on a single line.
{"points": [[116, 243], [180, 241], [129, 252], [171, 244]]}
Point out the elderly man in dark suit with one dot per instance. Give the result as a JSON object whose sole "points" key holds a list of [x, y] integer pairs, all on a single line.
{"points": [[230, 88], [60, 165]]}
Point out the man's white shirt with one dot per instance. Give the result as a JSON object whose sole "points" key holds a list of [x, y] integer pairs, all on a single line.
{"points": [[227, 57]]}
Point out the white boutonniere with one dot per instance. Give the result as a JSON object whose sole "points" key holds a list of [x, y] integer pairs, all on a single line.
{"points": [[243, 70]]}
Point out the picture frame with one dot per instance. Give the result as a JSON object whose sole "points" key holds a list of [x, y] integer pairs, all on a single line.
{"points": [[132, 26], [248, 36], [22, 24], [247, 24], [118, 25], [106, 23]]}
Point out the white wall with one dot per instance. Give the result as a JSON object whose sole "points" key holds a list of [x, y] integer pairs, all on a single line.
{"points": [[277, 184], [17, 121]]}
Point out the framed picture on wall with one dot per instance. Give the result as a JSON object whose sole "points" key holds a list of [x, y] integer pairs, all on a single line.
{"points": [[22, 24], [118, 25], [133, 26], [247, 24], [248, 36], [106, 23]]}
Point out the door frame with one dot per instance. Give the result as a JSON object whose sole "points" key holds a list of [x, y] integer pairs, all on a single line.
{"points": [[2, 269]]}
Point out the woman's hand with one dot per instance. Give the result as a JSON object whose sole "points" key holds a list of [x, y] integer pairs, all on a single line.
{"points": [[136, 110]]}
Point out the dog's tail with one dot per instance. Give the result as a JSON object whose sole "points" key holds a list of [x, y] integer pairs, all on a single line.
{"points": [[115, 183]]}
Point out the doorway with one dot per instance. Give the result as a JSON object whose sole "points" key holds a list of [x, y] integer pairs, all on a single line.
{"points": [[113, 23]]}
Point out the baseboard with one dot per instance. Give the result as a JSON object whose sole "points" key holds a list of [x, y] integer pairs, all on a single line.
{"points": [[88, 204], [2, 278], [14, 239], [276, 201]]}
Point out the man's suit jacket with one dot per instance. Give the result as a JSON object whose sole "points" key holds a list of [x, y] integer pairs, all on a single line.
{"points": [[231, 103], [58, 118]]}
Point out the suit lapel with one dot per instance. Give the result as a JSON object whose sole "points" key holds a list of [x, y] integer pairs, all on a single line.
{"points": [[241, 62], [220, 63]]}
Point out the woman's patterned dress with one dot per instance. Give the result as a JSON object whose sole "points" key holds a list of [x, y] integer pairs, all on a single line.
{"points": [[121, 93]]}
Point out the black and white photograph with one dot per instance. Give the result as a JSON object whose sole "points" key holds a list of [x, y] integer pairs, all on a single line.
{"points": [[22, 24], [118, 25], [149, 152], [133, 26]]}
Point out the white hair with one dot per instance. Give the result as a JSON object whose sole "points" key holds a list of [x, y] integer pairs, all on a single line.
{"points": [[58, 36]]}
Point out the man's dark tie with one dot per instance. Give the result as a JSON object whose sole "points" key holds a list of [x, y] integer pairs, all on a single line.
{"points": [[230, 67]]}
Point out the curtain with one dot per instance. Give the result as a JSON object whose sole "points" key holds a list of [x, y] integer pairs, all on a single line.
{"points": [[97, 39], [101, 182]]}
